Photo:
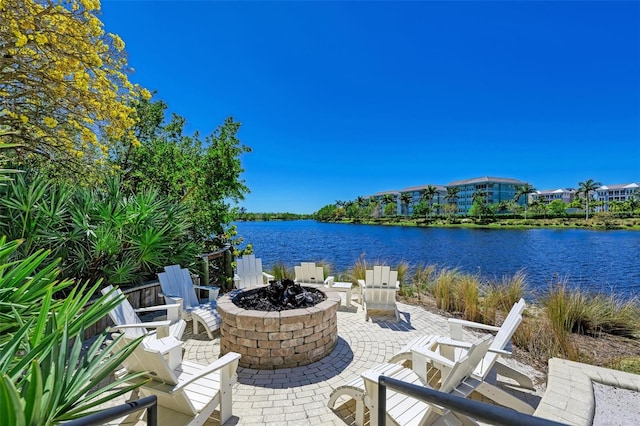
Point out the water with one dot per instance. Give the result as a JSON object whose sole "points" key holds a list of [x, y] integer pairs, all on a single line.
{"points": [[602, 261]]}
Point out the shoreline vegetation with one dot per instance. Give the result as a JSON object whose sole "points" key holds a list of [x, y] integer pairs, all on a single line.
{"points": [[593, 328], [599, 221]]}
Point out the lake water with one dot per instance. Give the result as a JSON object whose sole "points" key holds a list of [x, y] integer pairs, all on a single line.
{"points": [[603, 261]]}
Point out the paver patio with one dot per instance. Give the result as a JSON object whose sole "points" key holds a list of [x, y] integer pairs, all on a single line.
{"points": [[298, 396]]}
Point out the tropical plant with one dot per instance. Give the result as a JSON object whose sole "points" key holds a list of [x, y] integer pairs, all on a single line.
{"points": [[585, 188], [203, 176], [100, 233], [524, 191], [479, 207], [63, 81], [451, 208], [557, 208], [406, 199], [45, 375]]}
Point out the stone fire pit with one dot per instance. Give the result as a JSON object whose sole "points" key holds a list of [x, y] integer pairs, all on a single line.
{"points": [[278, 339]]}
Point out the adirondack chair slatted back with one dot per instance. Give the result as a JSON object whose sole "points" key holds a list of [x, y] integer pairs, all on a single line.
{"points": [[308, 272], [163, 380], [380, 286], [124, 314], [249, 270], [177, 282], [502, 340], [150, 361], [467, 364]]}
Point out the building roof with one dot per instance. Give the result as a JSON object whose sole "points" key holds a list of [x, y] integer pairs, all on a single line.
{"points": [[555, 191], [392, 192], [421, 187], [485, 179], [619, 186]]}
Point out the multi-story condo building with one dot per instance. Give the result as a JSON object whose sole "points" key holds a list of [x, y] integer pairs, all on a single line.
{"points": [[618, 192], [415, 192], [498, 189], [565, 194]]}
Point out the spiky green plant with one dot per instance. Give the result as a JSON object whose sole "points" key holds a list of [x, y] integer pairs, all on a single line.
{"points": [[359, 270], [45, 375], [99, 233], [466, 300], [423, 276], [507, 291], [443, 288], [280, 271]]}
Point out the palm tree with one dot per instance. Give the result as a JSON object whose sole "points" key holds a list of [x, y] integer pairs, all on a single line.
{"points": [[479, 199], [586, 188], [525, 190], [388, 199], [452, 196], [429, 192], [406, 199]]}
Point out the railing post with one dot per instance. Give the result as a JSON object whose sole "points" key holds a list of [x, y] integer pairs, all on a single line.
{"points": [[205, 270], [228, 270], [382, 401]]}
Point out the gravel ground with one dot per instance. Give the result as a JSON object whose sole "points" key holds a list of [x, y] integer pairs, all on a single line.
{"points": [[615, 406]]}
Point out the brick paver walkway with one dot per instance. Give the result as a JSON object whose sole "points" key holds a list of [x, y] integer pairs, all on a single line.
{"points": [[298, 396]]}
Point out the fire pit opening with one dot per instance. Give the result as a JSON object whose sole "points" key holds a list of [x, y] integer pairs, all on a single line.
{"points": [[282, 325], [279, 296]]}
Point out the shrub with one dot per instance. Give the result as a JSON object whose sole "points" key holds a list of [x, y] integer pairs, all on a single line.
{"points": [[466, 290], [280, 271], [45, 376], [443, 288]]}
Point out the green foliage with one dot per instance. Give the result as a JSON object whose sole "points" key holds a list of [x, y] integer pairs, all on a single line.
{"points": [[390, 209], [99, 233], [443, 288], [280, 271], [203, 176], [557, 208], [46, 376]]}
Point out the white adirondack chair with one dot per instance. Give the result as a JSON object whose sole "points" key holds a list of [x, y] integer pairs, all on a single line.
{"points": [[177, 287], [405, 410], [499, 347], [455, 377], [309, 273], [188, 394], [249, 272], [379, 290], [167, 334]]}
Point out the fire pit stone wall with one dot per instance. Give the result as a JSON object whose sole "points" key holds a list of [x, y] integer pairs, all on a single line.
{"points": [[285, 339]]}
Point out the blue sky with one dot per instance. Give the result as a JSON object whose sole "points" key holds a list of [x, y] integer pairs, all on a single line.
{"points": [[343, 99]]}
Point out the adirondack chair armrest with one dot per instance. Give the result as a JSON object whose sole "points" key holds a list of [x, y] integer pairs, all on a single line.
{"points": [[269, 277], [236, 280], [173, 310], [424, 355], [362, 283], [173, 300], [456, 324], [397, 285], [447, 341], [229, 360], [329, 280], [162, 326], [213, 291]]}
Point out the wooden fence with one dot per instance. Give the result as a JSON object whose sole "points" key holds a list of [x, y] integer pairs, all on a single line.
{"points": [[147, 294]]}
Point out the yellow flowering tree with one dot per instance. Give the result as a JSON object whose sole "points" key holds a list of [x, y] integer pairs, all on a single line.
{"points": [[64, 87]]}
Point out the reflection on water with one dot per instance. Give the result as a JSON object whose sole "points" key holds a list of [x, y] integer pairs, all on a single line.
{"points": [[594, 260]]}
